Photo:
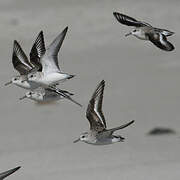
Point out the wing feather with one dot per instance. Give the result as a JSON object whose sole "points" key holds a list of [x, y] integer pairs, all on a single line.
{"points": [[94, 111], [9, 172], [37, 51], [19, 60], [160, 40], [129, 21], [50, 59]]}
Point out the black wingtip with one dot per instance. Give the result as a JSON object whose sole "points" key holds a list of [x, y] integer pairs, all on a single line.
{"points": [[169, 48], [65, 30], [71, 76], [15, 169], [131, 122], [9, 172], [102, 82], [15, 44], [18, 167], [172, 48], [118, 15], [41, 34], [100, 85], [115, 14]]}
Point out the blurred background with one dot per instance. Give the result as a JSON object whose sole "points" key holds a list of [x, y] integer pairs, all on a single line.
{"points": [[142, 83]]}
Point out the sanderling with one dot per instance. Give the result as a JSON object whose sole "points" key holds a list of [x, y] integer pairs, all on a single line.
{"points": [[145, 31], [23, 66], [98, 134], [52, 93], [9, 172], [44, 95], [51, 73]]}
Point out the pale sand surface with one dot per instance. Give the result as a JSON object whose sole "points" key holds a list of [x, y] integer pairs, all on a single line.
{"points": [[142, 83]]}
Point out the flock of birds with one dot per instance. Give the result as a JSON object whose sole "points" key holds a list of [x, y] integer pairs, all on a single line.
{"points": [[41, 74]]}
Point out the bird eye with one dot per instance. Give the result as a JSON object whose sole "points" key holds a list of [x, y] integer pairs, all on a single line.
{"points": [[31, 76], [30, 93], [134, 30], [15, 79], [83, 137]]}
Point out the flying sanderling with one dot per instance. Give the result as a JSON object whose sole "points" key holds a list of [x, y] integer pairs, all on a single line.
{"points": [[23, 66], [98, 134], [145, 31], [51, 73], [44, 95]]}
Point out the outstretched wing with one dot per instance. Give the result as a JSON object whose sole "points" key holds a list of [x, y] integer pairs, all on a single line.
{"points": [[9, 172], [19, 60], [64, 94], [160, 40], [120, 127], [50, 59], [164, 32], [37, 51], [94, 111], [109, 132], [129, 21]]}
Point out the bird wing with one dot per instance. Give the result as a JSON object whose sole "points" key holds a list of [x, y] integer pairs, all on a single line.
{"points": [[110, 131], [37, 51], [121, 127], [63, 94], [50, 60], [94, 111], [9, 172], [19, 60], [160, 40], [129, 21], [164, 31]]}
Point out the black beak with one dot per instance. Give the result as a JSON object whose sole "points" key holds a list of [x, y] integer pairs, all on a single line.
{"points": [[128, 34], [77, 140], [8, 83], [23, 97]]}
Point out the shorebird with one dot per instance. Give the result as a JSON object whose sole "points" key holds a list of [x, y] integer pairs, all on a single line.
{"points": [[50, 94], [99, 134], [23, 66], [44, 95], [145, 31], [9, 172], [50, 73]]}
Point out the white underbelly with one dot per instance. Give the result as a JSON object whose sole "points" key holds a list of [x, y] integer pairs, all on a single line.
{"points": [[47, 98], [102, 142], [27, 85], [142, 37], [53, 78], [51, 98]]}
